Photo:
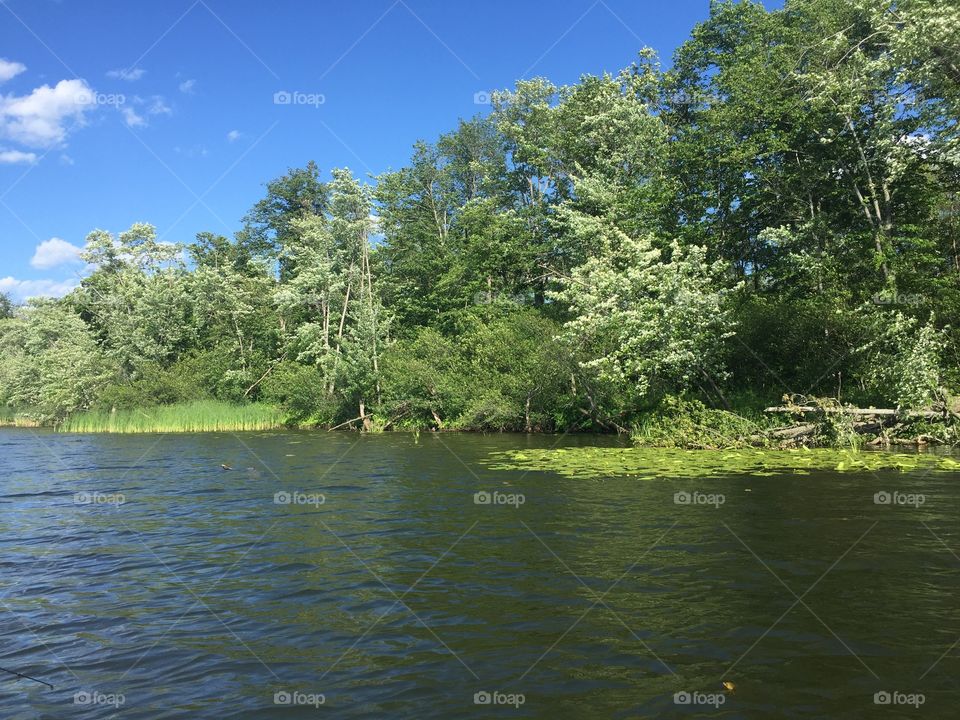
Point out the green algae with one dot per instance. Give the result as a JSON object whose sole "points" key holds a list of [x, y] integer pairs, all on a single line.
{"points": [[651, 463]]}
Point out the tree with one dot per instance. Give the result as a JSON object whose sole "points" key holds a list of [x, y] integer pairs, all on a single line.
{"points": [[50, 364], [332, 314], [432, 215], [650, 321], [267, 230], [136, 300], [6, 306], [360, 341]]}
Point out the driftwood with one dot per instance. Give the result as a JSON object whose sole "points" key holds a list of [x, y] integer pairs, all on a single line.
{"points": [[882, 422], [793, 431], [856, 412], [365, 416]]}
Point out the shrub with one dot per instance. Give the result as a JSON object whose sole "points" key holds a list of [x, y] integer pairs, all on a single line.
{"points": [[300, 391]]}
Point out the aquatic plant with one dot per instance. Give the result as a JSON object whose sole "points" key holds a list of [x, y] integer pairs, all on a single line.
{"points": [[650, 463], [199, 416]]}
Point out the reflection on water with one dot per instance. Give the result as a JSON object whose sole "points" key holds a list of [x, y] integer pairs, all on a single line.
{"points": [[359, 576]]}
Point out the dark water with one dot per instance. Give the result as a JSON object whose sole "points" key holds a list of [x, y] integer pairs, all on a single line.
{"points": [[399, 597]]}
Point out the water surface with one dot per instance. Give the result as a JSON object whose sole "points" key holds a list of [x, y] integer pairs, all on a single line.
{"points": [[202, 596]]}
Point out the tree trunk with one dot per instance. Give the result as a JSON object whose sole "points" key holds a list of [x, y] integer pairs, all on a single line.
{"points": [[363, 414]]}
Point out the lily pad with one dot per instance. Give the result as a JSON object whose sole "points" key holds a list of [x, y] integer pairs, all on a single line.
{"points": [[650, 463]]}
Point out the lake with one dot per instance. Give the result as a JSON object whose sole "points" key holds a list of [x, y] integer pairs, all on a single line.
{"points": [[399, 576]]}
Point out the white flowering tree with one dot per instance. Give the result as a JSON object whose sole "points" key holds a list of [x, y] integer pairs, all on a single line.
{"points": [[651, 319]]}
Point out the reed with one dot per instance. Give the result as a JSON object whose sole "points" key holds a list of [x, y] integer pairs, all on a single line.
{"points": [[198, 416]]}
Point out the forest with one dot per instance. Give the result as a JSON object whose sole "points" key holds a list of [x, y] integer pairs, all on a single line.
{"points": [[775, 212]]}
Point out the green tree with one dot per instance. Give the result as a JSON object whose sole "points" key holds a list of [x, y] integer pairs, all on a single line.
{"points": [[267, 230], [6, 306], [50, 364], [650, 321]]}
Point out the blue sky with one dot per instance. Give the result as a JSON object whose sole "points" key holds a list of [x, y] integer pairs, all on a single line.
{"points": [[114, 112]]}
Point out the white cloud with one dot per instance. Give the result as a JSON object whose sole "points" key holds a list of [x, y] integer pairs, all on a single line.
{"points": [[10, 69], [53, 253], [131, 118], [10, 157], [22, 290], [152, 105], [40, 118], [158, 106], [128, 74], [66, 159], [234, 135], [187, 86]]}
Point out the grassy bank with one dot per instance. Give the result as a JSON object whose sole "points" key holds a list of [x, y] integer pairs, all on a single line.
{"points": [[199, 416]]}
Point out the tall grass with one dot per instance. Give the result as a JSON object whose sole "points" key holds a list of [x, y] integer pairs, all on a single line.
{"points": [[198, 416]]}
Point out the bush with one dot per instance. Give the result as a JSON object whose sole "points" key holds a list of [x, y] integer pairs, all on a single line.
{"points": [[685, 423], [423, 379], [300, 391], [154, 386]]}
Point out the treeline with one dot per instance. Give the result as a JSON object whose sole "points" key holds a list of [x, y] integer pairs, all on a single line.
{"points": [[777, 212]]}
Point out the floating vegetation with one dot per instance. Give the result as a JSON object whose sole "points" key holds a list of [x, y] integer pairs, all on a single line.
{"points": [[651, 463], [200, 416]]}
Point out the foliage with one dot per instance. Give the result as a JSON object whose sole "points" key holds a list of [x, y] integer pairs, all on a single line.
{"points": [[651, 325], [299, 390], [6, 307], [905, 360], [778, 212], [683, 423], [50, 362]]}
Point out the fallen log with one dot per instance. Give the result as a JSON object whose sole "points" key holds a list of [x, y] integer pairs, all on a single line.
{"points": [[856, 412], [365, 416], [793, 431]]}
